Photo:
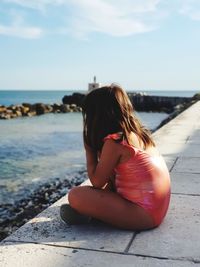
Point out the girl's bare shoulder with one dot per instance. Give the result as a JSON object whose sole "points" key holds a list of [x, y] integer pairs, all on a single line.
{"points": [[112, 145]]}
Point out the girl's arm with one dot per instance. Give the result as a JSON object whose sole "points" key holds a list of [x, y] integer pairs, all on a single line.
{"points": [[99, 172], [110, 186]]}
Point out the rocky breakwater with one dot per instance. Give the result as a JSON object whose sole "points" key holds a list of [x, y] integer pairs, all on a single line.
{"points": [[178, 109], [140, 101], [29, 110]]}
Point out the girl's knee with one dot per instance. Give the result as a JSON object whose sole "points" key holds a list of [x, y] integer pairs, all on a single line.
{"points": [[76, 196], [73, 196]]}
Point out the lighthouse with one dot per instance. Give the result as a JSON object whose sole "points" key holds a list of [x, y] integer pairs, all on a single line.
{"points": [[94, 85]]}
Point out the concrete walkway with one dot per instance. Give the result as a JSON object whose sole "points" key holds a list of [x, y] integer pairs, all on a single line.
{"points": [[47, 241]]}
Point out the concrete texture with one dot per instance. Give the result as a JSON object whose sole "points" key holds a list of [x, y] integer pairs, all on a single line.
{"points": [[48, 228], [47, 241], [178, 237], [39, 255], [187, 165], [185, 184]]}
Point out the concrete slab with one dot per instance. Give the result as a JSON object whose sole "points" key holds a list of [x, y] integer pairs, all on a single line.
{"points": [[25, 255], [195, 137], [48, 228], [185, 183], [187, 165], [170, 161], [169, 141], [174, 133], [171, 149], [178, 236], [191, 150]]}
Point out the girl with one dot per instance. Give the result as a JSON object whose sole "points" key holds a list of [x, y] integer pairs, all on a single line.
{"points": [[130, 181]]}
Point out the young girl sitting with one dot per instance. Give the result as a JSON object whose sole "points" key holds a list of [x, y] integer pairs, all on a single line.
{"points": [[130, 181]]}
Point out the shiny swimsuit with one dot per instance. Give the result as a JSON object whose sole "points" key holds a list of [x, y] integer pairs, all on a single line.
{"points": [[144, 180]]}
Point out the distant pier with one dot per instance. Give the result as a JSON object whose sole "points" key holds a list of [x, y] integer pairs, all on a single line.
{"points": [[140, 101]]}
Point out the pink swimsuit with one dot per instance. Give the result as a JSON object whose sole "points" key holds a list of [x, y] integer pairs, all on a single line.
{"points": [[144, 180]]}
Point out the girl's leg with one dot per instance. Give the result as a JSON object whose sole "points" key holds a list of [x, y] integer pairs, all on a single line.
{"points": [[109, 207]]}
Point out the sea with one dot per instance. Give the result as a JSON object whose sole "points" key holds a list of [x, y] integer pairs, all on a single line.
{"points": [[36, 150]]}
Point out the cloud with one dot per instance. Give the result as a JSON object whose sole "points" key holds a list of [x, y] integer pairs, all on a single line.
{"points": [[111, 17], [18, 29], [21, 31], [81, 18], [116, 18], [36, 4], [191, 8]]}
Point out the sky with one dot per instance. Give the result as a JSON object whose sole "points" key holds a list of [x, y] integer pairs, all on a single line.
{"points": [[62, 44]]}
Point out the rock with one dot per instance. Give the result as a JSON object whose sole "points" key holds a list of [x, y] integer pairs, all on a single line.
{"points": [[13, 116], [18, 113], [49, 108], [64, 108], [75, 98], [5, 116], [79, 109], [31, 114], [196, 96], [9, 111], [27, 105], [2, 109], [56, 108], [40, 108], [24, 110]]}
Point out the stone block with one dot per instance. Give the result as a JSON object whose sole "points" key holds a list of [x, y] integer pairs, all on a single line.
{"points": [[187, 165], [185, 183], [170, 161], [48, 228], [178, 236], [171, 149], [34, 255], [195, 137], [191, 150]]}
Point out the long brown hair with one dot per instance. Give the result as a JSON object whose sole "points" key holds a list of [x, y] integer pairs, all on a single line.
{"points": [[108, 110]]}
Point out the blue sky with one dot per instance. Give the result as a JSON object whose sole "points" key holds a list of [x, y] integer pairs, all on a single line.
{"points": [[62, 44]]}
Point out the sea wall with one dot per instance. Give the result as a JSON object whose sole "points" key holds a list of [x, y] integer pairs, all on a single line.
{"points": [[140, 101], [157, 103], [73, 103]]}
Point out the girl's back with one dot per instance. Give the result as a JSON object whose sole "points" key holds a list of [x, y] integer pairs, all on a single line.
{"points": [[141, 176]]}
